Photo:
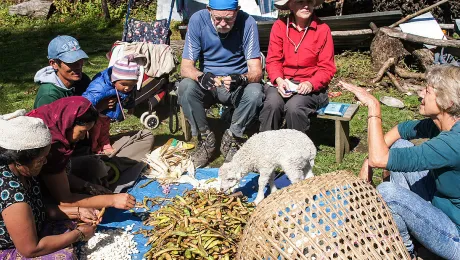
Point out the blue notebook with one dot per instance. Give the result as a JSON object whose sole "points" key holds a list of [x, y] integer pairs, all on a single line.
{"points": [[334, 108]]}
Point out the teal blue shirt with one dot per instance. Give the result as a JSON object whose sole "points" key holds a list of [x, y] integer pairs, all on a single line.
{"points": [[440, 155]]}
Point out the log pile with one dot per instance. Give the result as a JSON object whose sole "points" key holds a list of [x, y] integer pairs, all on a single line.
{"points": [[444, 14], [391, 46]]}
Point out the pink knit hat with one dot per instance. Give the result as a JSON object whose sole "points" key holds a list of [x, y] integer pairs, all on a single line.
{"points": [[127, 68]]}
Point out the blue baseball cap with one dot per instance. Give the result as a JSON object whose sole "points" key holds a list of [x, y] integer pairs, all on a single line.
{"points": [[65, 48], [223, 4]]}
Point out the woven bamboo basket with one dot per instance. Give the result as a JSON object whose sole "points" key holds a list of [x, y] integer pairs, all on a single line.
{"points": [[332, 216]]}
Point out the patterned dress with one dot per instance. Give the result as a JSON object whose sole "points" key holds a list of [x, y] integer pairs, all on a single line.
{"points": [[12, 190]]}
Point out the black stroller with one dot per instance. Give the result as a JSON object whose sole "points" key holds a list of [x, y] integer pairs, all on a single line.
{"points": [[152, 89]]}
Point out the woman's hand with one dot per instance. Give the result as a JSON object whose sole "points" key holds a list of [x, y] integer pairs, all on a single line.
{"points": [[123, 201], [361, 94], [304, 88], [87, 230], [89, 215], [94, 189], [366, 172], [283, 88]]}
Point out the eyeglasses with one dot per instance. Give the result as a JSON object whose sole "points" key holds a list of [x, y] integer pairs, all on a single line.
{"points": [[227, 19]]}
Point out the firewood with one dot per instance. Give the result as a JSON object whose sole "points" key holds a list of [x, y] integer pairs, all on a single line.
{"points": [[419, 39], [408, 75], [390, 62], [395, 82]]}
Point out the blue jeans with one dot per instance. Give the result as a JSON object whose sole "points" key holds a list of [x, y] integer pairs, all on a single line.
{"points": [[247, 102], [408, 195]]}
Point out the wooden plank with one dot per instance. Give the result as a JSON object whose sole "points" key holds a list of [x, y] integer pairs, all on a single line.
{"points": [[185, 126], [342, 143], [351, 111], [348, 22], [341, 23]]}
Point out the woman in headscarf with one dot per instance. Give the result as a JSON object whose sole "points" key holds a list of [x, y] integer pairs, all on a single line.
{"points": [[25, 143], [300, 65], [69, 120], [424, 189]]}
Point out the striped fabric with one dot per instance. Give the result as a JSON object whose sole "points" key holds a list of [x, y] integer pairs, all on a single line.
{"points": [[266, 6], [124, 69]]}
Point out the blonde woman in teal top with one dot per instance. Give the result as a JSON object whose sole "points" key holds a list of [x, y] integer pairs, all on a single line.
{"points": [[424, 189]]}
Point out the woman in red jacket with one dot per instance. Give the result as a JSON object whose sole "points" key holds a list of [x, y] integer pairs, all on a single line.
{"points": [[301, 52]]}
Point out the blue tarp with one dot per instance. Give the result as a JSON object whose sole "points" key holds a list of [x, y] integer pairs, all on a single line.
{"points": [[114, 218]]}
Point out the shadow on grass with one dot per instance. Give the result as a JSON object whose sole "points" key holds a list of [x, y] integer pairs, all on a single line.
{"points": [[322, 132], [24, 51]]}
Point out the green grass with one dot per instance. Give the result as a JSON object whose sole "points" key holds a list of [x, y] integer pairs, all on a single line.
{"points": [[24, 41]]}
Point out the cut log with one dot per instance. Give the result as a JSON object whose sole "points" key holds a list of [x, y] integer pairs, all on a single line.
{"points": [[384, 47], [33, 8], [351, 33], [390, 62], [395, 82], [419, 39], [408, 75]]}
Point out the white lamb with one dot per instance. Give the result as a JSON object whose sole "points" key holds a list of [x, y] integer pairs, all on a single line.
{"points": [[291, 150]]}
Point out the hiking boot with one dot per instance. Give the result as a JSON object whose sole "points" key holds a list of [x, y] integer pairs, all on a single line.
{"points": [[204, 149], [230, 145]]}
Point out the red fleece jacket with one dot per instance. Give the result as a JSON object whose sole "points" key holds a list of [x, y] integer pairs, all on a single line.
{"points": [[314, 59]]}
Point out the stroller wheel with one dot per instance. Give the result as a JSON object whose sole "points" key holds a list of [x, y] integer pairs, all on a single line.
{"points": [[143, 116], [151, 122]]}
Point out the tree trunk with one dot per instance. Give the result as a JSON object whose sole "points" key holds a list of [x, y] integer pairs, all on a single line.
{"points": [[105, 10]]}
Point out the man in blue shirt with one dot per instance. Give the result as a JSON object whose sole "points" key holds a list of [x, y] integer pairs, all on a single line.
{"points": [[225, 41]]}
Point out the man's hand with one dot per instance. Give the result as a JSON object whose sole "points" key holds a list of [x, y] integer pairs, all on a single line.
{"points": [[207, 81], [283, 88], [233, 81], [304, 88]]}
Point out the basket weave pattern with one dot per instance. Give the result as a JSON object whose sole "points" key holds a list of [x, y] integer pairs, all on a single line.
{"points": [[332, 216]]}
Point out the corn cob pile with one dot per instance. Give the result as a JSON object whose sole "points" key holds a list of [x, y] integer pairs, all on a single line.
{"points": [[197, 225]]}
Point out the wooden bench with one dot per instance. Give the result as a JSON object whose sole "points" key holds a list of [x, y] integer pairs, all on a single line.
{"points": [[342, 131]]}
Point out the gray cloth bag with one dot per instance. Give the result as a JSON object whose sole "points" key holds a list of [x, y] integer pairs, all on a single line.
{"points": [[128, 158]]}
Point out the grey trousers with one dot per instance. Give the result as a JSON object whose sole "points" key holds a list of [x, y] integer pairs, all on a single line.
{"points": [[295, 110], [247, 102]]}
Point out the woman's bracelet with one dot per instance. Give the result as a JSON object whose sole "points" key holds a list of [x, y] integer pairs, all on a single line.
{"points": [[371, 116], [81, 236], [78, 212]]}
